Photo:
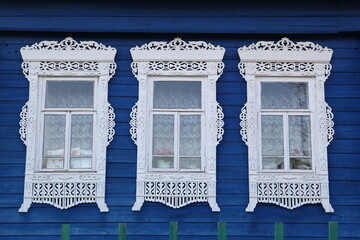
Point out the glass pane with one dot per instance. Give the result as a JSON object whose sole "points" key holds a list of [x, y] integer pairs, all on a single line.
{"points": [[299, 136], [272, 142], [273, 163], [276, 95], [81, 141], [190, 135], [54, 141], [77, 163], [177, 95], [163, 162], [300, 142], [69, 94], [163, 141], [190, 162], [300, 163]]}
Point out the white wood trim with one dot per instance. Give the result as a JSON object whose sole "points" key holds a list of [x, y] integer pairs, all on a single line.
{"points": [[176, 61], [286, 61], [67, 60]]}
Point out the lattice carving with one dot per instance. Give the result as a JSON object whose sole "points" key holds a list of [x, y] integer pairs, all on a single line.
{"points": [[286, 44], [243, 124], [68, 44], [283, 60], [23, 122], [176, 194], [329, 123], [69, 66], [64, 195], [289, 195], [172, 61], [111, 123], [285, 66], [177, 68], [178, 44], [133, 122], [220, 123]]}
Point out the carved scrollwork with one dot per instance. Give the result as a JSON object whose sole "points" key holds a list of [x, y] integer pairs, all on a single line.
{"points": [[25, 67], [329, 123], [219, 123], [112, 68], [23, 122], [67, 44], [243, 124], [134, 122], [134, 67], [111, 123], [220, 68], [328, 68], [178, 44], [286, 44], [242, 68]]}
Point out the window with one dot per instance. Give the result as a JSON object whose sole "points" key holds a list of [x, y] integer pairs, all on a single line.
{"points": [[67, 122], [68, 125], [177, 122], [286, 123], [285, 120]]}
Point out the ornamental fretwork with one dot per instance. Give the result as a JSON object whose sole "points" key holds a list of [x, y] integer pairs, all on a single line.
{"points": [[177, 59], [66, 59], [290, 60]]}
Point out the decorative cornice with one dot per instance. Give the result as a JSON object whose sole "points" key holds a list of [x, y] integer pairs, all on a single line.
{"points": [[68, 50], [68, 44], [285, 44], [178, 50], [178, 44], [285, 50]]}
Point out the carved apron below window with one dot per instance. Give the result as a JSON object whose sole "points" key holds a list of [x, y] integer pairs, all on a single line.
{"points": [[286, 123], [176, 123], [67, 122]]}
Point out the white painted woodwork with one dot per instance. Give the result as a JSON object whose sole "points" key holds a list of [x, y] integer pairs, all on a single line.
{"points": [[67, 60], [177, 61], [288, 62]]}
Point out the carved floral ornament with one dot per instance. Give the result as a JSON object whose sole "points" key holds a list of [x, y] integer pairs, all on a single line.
{"points": [[65, 60], [177, 60], [287, 61]]}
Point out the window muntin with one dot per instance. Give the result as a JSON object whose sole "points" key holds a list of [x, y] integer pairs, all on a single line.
{"points": [[68, 117], [285, 117], [177, 126]]}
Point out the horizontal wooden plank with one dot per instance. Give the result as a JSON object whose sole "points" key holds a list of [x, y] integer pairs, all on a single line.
{"points": [[170, 24]]}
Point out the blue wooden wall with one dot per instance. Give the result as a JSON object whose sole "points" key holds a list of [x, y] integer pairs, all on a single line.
{"points": [[334, 27]]}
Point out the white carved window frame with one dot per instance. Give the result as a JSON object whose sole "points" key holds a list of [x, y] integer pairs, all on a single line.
{"points": [[173, 61], [66, 60], [291, 62]]}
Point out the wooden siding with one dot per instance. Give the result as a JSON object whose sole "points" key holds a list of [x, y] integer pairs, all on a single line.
{"points": [[135, 26]]}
